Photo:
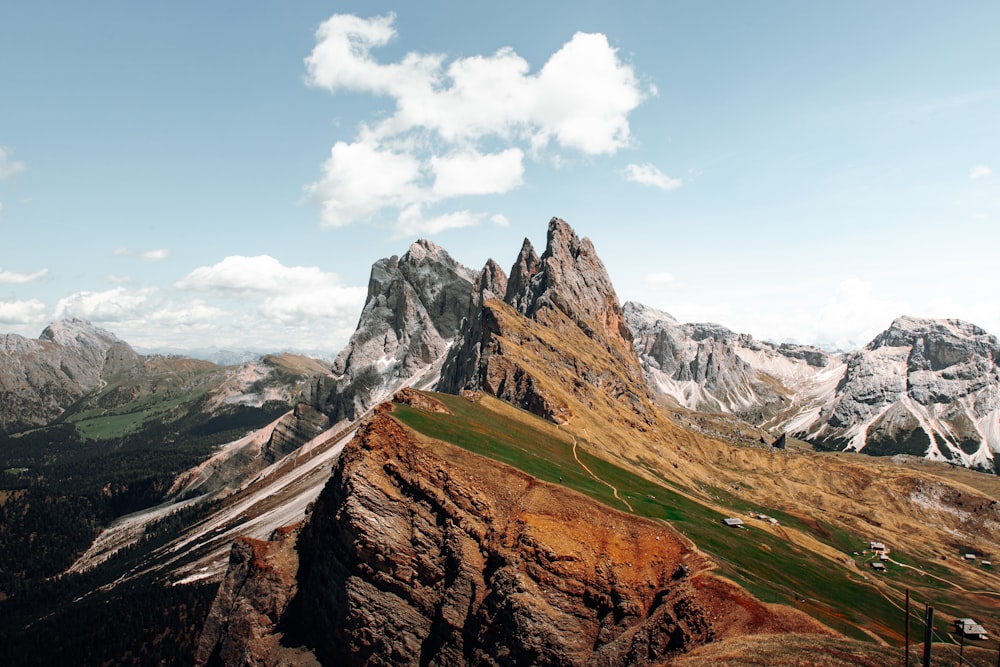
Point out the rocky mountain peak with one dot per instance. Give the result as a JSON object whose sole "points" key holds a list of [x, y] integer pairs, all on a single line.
{"points": [[422, 249], [519, 287], [415, 306], [557, 306], [641, 313], [570, 277], [906, 330], [491, 283], [79, 334]]}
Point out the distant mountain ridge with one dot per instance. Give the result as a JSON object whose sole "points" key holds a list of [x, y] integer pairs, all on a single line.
{"points": [[923, 387], [40, 378]]}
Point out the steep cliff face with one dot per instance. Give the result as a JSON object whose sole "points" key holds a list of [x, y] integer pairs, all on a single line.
{"points": [[242, 625], [707, 367], [418, 552], [414, 308], [559, 335]]}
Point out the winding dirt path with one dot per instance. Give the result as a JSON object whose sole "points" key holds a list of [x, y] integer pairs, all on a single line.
{"points": [[950, 583], [590, 472]]}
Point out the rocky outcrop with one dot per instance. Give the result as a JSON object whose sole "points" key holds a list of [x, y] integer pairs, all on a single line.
{"points": [[293, 430], [40, 379], [524, 350], [242, 625], [420, 553], [414, 307]]}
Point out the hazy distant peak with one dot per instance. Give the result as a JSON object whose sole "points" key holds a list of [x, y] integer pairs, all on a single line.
{"points": [[76, 332], [637, 312], [905, 330]]}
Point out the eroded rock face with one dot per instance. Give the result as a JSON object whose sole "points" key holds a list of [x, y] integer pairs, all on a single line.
{"points": [[702, 366], [924, 387], [568, 276], [423, 553], [241, 628], [563, 295], [414, 308]]}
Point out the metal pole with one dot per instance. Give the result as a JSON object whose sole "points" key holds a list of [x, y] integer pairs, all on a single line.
{"points": [[906, 651], [928, 627]]}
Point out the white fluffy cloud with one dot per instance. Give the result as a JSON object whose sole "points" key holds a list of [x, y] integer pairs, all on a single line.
{"points": [[298, 294], [472, 173], [114, 305], [500, 220], [650, 174], [362, 178], [980, 171], [427, 148], [8, 166], [262, 274], [22, 312], [413, 223], [14, 278]]}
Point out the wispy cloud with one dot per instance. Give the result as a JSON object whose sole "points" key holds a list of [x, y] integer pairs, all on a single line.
{"points": [[8, 166], [157, 255], [661, 280], [14, 278], [980, 171], [650, 174], [431, 147]]}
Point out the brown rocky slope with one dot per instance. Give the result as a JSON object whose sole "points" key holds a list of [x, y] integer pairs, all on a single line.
{"points": [[418, 552]]}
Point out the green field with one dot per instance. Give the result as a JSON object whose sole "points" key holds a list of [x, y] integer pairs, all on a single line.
{"points": [[771, 568]]}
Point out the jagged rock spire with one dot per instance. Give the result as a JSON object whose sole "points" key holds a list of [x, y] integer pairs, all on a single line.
{"points": [[568, 276]]}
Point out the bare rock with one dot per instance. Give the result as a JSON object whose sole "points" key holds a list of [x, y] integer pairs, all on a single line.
{"points": [[242, 625], [414, 308]]}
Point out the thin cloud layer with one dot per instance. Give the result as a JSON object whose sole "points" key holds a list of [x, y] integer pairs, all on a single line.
{"points": [[429, 148], [157, 255], [14, 278], [650, 174], [980, 171], [9, 166]]}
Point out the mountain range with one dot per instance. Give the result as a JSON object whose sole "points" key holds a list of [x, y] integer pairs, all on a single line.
{"points": [[556, 499]]}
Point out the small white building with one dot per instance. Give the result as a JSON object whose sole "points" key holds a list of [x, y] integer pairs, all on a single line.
{"points": [[733, 522], [877, 546], [970, 556], [970, 629], [878, 566]]}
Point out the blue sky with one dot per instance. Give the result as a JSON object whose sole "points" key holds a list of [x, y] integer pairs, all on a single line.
{"points": [[223, 174]]}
